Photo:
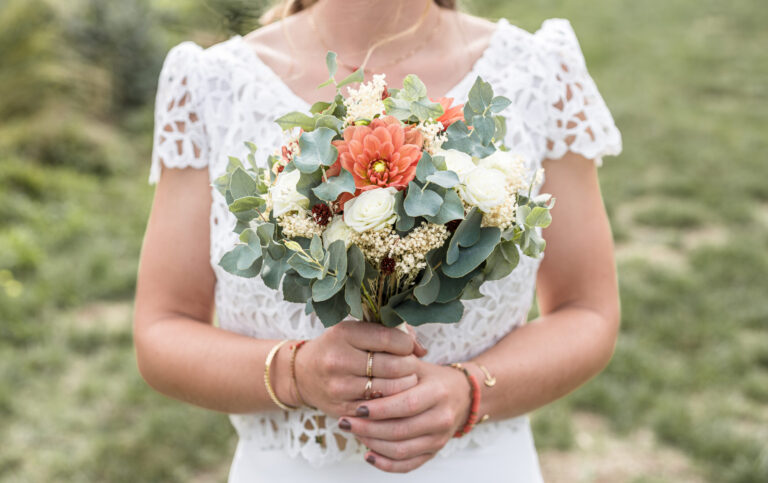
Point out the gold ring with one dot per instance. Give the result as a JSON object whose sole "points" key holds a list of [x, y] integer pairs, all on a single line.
{"points": [[369, 367], [368, 388]]}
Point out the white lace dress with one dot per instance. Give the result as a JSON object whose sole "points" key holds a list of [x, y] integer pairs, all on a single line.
{"points": [[210, 101]]}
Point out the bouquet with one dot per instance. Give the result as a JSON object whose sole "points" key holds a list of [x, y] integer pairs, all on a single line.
{"points": [[385, 204]]}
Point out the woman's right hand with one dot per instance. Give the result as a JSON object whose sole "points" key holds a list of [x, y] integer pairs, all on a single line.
{"points": [[331, 369]]}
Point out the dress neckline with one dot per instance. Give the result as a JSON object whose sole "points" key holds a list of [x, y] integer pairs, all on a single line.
{"points": [[250, 54]]}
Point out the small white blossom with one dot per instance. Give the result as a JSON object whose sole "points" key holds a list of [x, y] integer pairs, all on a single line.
{"points": [[433, 134], [299, 225], [365, 102]]}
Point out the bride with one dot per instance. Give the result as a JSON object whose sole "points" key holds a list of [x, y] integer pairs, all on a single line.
{"points": [[313, 423]]}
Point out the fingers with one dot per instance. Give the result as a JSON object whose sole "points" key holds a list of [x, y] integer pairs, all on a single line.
{"points": [[354, 387], [403, 404], [429, 422], [418, 349], [393, 466], [368, 336], [405, 450], [385, 365]]}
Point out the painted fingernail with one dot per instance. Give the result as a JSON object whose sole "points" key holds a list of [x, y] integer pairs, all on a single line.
{"points": [[362, 412], [371, 459], [344, 424]]}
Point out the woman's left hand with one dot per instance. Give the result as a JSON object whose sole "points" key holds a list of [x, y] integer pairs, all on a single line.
{"points": [[405, 430]]}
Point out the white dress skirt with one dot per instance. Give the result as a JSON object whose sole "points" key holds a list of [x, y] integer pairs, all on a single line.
{"points": [[512, 459]]}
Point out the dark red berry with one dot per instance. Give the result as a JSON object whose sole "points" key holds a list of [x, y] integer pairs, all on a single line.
{"points": [[387, 265], [384, 93], [280, 168], [321, 214]]}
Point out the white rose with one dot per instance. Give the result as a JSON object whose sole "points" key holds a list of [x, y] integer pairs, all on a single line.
{"points": [[284, 196], [336, 230], [457, 161], [371, 210], [484, 188], [511, 164]]}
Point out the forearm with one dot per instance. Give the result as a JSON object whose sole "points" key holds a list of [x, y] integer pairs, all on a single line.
{"points": [[545, 360], [209, 367]]}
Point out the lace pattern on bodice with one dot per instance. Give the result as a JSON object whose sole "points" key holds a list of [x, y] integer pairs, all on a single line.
{"points": [[209, 101]]}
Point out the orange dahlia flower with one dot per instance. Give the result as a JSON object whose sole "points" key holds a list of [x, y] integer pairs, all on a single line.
{"points": [[379, 155], [451, 114]]}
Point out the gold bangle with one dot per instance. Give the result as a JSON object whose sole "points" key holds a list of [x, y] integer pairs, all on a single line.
{"points": [[268, 382], [294, 349]]}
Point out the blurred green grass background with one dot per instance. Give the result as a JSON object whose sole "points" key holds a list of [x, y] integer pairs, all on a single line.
{"points": [[686, 395]]}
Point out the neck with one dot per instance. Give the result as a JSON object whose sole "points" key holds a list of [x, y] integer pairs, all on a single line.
{"points": [[352, 27]]}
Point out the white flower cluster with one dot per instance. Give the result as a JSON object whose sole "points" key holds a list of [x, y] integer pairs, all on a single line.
{"points": [[299, 224], [375, 244], [433, 134], [365, 102], [410, 252]]}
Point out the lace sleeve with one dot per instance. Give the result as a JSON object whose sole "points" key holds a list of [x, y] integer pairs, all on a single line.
{"points": [[180, 138], [578, 119]]}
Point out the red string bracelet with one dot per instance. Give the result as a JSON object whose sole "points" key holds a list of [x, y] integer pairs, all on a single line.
{"points": [[474, 394]]}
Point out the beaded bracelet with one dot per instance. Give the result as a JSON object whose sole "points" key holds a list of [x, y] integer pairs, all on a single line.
{"points": [[294, 349], [474, 394]]}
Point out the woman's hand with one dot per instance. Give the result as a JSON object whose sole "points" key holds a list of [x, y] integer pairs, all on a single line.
{"points": [[331, 370], [407, 429]]}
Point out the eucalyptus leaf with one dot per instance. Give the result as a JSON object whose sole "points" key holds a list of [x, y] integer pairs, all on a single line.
{"points": [[355, 264], [425, 167], [452, 288], [237, 257], [471, 257], [316, 248], [248, 203], [539, 217], [416, 314], [446, 179], [296, 119], [421, 202], [330, 62], [428, 288], [304, 267], [496, 265], [354, 77], [353, 296], [316, 150], [296, 288], [389, 317], [336, 185], [404, 221], [241, 184], [273, 269], [331, 311], [451, 209], [498, 104], [466, 234]]}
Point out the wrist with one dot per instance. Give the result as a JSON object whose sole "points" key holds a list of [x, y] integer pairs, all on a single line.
{"points": [[280, 375]]}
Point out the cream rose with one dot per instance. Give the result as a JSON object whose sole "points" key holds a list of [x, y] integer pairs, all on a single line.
{"points": [[371, 210], [284, 196], [511, 164], [457, 161], [336, 230], [485, 188]]}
